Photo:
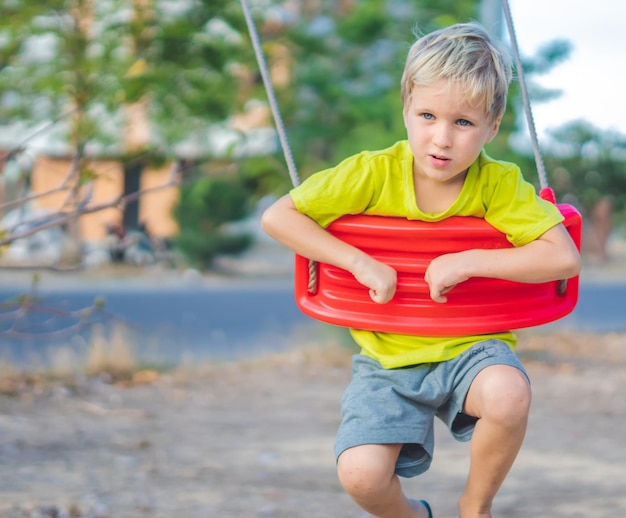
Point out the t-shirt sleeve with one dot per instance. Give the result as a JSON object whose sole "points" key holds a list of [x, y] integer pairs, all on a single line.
{"points": [[516, 210], [329, 194]]}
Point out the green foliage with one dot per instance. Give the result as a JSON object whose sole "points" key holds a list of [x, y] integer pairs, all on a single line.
{"points": [[96, 58], [193, 59], [54, 60], [204, 209], [264, 174], [588, 164], [365, 23], [435, 14], [201, 248]]}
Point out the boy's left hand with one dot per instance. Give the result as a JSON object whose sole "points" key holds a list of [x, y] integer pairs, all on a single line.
{"points": [[443, 274]]}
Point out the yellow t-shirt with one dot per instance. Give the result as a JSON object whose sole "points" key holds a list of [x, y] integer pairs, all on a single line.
{"points": [[381, 183]]}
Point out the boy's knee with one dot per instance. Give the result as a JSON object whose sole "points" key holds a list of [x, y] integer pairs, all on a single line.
{"points": [[510, 400], [363, 475], [505, 395]]}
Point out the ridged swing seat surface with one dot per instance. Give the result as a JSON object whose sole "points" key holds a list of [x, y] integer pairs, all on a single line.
{"points": [[476, 306]]}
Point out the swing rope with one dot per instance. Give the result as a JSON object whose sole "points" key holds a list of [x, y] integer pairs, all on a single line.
{"points": [[269, 88], [278, 121], [541, 170]]}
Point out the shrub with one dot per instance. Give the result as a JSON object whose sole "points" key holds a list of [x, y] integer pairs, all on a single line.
{"points": [[204, 209]]}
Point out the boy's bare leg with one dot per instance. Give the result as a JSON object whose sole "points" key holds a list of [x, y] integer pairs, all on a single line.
{"points": [[500, 397], [367, 474]]}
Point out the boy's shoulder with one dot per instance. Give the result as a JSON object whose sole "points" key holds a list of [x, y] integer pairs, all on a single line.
{"points": [[486, 162], [395, 157], [399, 150], [490, 173]]}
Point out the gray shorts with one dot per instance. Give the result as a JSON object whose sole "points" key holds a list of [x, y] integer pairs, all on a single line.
{"points": [[398, 406]]}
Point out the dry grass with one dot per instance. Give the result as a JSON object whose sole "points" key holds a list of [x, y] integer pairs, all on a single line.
{"points": [[114, 356], [111, 358]]}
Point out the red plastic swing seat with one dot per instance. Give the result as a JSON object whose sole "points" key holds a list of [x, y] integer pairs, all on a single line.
{"points": [[477, 306]]}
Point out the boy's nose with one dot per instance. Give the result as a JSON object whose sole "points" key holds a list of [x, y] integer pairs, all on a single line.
{"points": [[442, 136]]}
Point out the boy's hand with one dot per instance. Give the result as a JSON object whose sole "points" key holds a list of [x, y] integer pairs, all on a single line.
{"points": [[444, 273], [380, 278]]}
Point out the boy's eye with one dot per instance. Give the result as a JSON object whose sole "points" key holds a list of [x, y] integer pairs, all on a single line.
{"points": [[428, 116], [464, 122]]}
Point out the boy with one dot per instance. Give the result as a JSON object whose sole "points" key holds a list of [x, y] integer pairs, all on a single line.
{"points": [[454, 89]]}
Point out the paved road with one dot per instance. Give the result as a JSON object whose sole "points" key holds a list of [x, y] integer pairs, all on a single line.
{"points": [[218, 322], [230, 321], [601, 308]]}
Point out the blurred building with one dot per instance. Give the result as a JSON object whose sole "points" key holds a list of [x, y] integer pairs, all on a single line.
{"points": [[109, 184]]}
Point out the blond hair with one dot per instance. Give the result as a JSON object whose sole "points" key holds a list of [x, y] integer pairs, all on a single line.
{"points": [[465, 56]]}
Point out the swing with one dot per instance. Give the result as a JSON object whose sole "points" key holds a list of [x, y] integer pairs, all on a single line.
{"points": [[476, 306]]}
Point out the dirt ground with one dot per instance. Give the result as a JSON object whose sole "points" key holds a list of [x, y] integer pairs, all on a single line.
{"points": [[254, 439]]}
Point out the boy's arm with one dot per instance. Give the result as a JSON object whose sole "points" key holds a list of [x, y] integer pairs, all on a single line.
{"points": [[552, 256], [304, 236]]}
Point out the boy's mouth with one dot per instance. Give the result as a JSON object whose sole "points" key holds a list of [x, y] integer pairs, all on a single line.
{"points": [[441, 160]]}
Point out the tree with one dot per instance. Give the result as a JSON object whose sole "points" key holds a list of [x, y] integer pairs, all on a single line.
{"points": [[125, 79], [204, 210], [588, 166], [60, 65], [99, 58], [187, 60]]}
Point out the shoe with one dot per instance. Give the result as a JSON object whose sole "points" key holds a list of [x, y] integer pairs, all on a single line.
{"points": [[425, 504]]}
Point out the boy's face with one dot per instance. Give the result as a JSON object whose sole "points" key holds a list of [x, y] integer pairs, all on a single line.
{"points": [[445, 133]]}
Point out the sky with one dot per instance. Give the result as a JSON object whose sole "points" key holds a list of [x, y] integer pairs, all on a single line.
{"points": [[593, 80]]}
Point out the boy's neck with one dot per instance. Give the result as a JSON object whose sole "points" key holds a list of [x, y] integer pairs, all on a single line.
{"points": [[436, 197]]}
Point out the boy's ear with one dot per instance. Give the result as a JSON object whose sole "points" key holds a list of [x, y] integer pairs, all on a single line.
{"points": [[494, 129]]}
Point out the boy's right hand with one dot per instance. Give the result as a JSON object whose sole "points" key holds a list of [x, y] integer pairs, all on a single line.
{"points": [[380, 278]]}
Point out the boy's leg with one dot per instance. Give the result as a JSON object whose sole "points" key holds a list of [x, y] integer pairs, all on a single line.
{"points": [[367, 473], [500, 397]]}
